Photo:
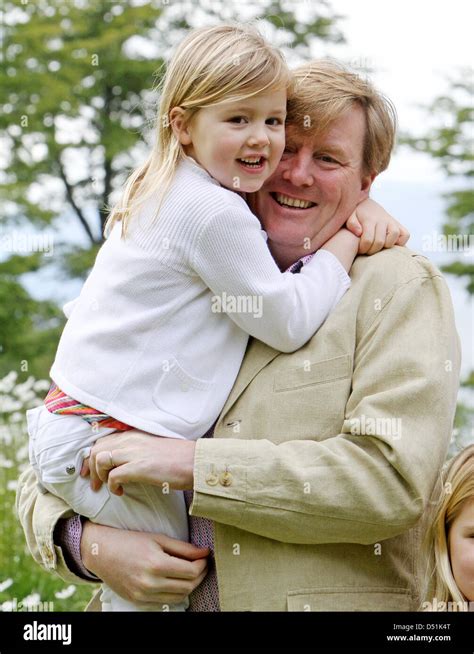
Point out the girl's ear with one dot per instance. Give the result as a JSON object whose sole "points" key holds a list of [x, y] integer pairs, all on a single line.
{"points": [[179, 126]]}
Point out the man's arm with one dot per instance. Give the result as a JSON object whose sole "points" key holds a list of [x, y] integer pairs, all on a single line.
{"points": [[39, 514], [353, 487]]}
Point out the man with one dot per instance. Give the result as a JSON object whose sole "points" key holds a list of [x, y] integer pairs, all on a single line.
{"points": [[322, 460]]}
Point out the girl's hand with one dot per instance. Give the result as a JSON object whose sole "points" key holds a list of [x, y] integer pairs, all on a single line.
{"points": [[134, 456], [376, 228]]}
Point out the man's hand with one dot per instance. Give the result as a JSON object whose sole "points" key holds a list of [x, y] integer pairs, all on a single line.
{"points": [[141, 567], [134, 456]]}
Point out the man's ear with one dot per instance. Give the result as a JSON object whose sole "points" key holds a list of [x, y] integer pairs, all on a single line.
{"points": [[180, 126], [366, 183]]}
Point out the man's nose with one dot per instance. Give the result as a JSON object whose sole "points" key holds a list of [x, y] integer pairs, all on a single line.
{"points": [[299, 170]]}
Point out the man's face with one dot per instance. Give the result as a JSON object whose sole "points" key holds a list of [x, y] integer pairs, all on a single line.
{"points": [[325, 174]]}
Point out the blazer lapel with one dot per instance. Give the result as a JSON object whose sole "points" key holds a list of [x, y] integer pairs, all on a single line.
{"points": [[257, 356]]}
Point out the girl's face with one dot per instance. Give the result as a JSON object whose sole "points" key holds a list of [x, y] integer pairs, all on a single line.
{"points": [[461, 550], [240, 143]]}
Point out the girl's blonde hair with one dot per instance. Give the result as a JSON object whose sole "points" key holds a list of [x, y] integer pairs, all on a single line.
{"points": [[457, 487], [211, 65]]}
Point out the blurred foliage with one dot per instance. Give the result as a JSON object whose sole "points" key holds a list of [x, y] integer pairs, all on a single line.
{"points": [[22, 581], [78, 80], [30, 328], [450, 142], [73, 105]]}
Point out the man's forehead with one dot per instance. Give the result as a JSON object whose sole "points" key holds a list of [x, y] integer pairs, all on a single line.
{"points": [[345, 133]]}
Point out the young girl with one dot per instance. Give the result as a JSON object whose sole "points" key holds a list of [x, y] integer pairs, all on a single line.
{"points": [[450, 545], [157, 336]]}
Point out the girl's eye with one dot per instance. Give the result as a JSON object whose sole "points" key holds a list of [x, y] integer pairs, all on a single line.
{"points": [[274, 121], [237, 119]]}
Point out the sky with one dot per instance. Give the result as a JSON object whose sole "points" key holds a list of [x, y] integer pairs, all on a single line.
{"points": [[411, 47]]}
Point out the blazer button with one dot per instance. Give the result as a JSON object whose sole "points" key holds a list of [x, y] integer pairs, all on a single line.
{"points": [[212, 479], [70, 469], [225, 479]]}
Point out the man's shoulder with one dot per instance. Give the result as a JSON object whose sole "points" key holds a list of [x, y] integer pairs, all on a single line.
{"points": [[383, 275], [393, 267]]}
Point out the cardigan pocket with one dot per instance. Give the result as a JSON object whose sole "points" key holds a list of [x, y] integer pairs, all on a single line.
{"points": [[180, 394]]}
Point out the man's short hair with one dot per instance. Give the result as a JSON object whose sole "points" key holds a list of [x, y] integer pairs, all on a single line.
{"points": [[324, 89]]}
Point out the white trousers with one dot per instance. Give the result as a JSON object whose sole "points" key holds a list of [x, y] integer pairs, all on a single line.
{"points": [[57, 448]]}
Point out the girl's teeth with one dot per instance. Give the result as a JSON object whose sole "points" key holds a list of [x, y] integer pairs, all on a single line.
{"points": [[251, 162]]}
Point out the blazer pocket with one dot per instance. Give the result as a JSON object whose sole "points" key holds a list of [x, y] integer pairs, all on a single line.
{"points": [[180, 394], [317, 372], [350, 599]]}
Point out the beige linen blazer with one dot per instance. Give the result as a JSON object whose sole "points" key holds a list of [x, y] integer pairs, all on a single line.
{"points": [[323, 460]]}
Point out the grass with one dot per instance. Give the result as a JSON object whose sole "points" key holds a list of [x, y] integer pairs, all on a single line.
{"points": [[22, 580]]}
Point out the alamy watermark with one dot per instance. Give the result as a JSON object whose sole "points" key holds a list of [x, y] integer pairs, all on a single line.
{"points": [[27, 605], [39, 631], [365, 426], [436, 242], [450, 607], [27, 242], [227, 303]]}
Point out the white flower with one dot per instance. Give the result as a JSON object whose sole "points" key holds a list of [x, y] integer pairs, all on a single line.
{"points": [[25, 394], [5, 584], [5, 435], [22, 453], [67, 592], [7, 383], [41, 385], [31, 600], [9, 405], [25, 387], [5, 463], [12, 485]]}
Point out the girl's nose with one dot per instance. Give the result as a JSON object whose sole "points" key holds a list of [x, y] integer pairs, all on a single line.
{"points": [[258, 137]]}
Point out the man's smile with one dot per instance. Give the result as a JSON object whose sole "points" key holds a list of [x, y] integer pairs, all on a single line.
{"points": [[291, 202]]}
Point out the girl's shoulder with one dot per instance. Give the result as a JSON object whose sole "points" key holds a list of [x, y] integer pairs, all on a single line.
{"points": [[200, 193]]}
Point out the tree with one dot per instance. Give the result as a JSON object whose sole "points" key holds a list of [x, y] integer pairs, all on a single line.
{"points": [[30, 328], [77, 80], [450, 142]]}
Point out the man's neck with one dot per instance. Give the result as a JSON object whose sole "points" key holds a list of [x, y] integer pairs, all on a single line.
{"points": [[286, 256]]}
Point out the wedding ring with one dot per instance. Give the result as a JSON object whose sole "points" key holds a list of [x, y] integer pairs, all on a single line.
{"points": [[112, 465]]}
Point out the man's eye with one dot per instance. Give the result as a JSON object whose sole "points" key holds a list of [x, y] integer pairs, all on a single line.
{"points": [[237, 119], [274, 121], [327, 159]]}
